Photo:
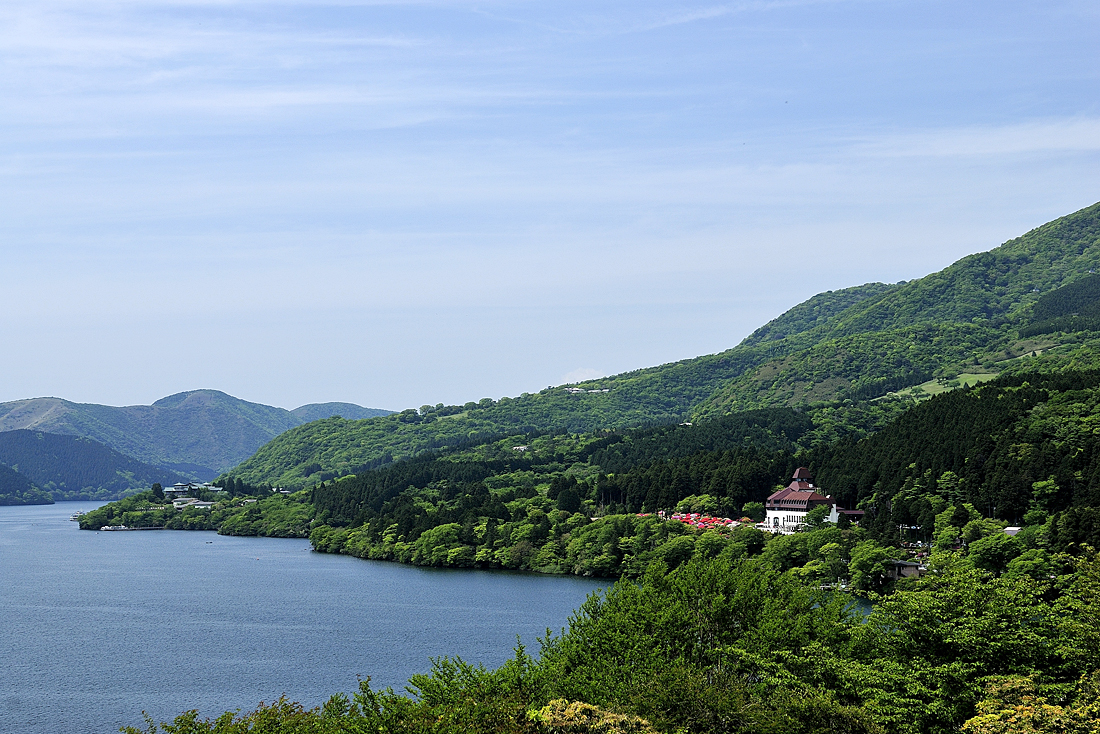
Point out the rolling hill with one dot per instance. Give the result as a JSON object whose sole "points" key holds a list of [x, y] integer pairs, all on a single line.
{"points": [[198, 433], [857, 343], [78, 468]]}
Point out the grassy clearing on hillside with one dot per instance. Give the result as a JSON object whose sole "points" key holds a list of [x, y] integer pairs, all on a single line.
{"points": [[941, 385]]}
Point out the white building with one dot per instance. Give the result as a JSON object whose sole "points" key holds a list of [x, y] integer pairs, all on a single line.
{"points": [[787, 508]]}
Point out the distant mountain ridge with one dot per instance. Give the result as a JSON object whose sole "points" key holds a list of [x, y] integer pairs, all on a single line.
{"points": [[856, 343], [198, 433]]}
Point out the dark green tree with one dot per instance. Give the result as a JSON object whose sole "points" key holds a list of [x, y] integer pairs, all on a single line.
{"points": [[569, 500]]}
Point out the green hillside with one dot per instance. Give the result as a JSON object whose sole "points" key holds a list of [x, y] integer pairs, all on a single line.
{"points": [[16, 489], [320, 411], [198, 433], [815, 312], [943, 324], [335, 447], [77, 468], [858, 343]]}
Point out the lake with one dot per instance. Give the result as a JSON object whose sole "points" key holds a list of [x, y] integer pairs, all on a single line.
{"points": [[98, 626]]}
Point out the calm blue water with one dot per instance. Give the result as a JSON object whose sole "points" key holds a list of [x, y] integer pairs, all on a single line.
{"points": [[96, 627]]}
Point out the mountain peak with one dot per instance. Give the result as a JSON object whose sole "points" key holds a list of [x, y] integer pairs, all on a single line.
{"points": [[193, 398]]}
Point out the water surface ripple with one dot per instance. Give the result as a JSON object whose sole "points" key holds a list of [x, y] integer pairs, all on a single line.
{"points": [[98, 626]]}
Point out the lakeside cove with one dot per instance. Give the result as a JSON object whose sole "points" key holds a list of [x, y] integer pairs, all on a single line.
{"points": [[249, 619]]}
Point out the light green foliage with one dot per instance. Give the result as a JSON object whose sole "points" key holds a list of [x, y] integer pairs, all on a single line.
{"points": [[1034, 563], [831, 563], [581, 718], [692, 616], [950, 522], [1044, 493], [828, 368], [703, 504], [980, 528], [755, 511], [948, 485], [994, 552], [817, 556], [817, 311], [274, 515], [540, 538], [868, 566], [938, 322], [816, 517], [1022, 705]]}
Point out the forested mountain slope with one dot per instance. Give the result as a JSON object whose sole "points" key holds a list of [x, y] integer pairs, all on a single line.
{"points": [[320, 411], [199, 433], [77, 468], [16, 489], [957, 320], [816, 311], [857, 343]]}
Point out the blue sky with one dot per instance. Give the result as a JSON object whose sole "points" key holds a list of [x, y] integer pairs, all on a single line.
{"points": [[404, 203]]}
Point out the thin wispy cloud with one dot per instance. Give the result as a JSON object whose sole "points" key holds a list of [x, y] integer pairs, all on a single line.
{"points": [[1071, 134], [499, 192]]}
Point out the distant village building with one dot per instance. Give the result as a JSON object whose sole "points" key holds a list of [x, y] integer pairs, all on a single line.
{"points": [[903, 569], [179, 489], [787, 509]]}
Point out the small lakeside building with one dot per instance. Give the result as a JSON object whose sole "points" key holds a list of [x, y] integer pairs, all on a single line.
{"points": [[180, 489]]}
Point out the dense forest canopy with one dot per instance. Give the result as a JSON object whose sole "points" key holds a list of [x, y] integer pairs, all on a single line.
{"points": [[1073, 307], [75, 468], [16, 489]]}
